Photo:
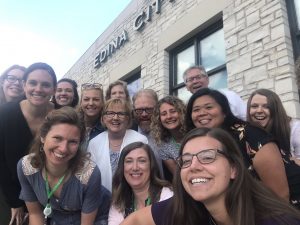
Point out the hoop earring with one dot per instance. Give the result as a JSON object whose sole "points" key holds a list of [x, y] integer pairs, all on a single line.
{"points": [[42, 148]]}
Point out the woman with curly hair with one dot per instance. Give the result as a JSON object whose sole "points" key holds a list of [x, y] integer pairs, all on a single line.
{"points": [[168, 129]]}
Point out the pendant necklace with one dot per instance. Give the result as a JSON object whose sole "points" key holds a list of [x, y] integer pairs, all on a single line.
{"points": [[48, 210]]}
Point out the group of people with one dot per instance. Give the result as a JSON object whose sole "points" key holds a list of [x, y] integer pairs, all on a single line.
{"points": [[97, 159]]}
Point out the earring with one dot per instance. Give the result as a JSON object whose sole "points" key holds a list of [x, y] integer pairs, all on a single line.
{"points": [[42, 148]]}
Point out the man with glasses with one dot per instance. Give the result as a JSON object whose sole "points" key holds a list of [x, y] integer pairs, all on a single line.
{"points": [[144, 102], [195, 78]]}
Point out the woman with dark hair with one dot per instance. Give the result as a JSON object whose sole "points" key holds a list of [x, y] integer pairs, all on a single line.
{"points": [[212, 186], [167, 129], [60, 185], [210, 108], [136, 183], [11, 84], [66, 93], [106, 147], [19, 123], [265, 109]]}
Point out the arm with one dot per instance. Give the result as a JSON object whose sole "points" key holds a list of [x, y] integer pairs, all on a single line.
{"points": [[88, 218], [171, 165], [141, 217], [269, 166], [35, 213]]}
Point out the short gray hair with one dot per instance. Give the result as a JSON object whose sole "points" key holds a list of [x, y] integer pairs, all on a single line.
{"points": [[149, 92], [199, 67]]}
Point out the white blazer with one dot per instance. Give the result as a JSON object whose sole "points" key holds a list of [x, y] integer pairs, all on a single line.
{"points": [[99, 149]]}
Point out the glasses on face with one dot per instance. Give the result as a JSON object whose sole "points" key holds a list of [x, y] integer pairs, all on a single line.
{"points": [[111, 114], [12, 79], [206, 156], [141, 110], [91, 86], [197, 77]]}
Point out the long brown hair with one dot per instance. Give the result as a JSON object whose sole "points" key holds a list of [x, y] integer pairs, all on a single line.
{"points": [[279, 123], [121, 190], [66, 115], [247, 201]]}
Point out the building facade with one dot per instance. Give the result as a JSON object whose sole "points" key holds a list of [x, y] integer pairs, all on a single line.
{"points": [[243, 44]]}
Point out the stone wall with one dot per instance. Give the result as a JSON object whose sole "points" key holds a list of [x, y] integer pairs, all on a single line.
{"points": [[259, 50]]}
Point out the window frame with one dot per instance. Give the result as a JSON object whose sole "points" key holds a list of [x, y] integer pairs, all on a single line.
{"points": [[295, 31], [194, 40]]}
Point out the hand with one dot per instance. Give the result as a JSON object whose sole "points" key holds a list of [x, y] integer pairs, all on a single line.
{"points": [[17, 214]]}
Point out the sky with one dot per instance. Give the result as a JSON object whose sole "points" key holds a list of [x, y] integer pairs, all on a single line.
{"points": [[57, 32]]}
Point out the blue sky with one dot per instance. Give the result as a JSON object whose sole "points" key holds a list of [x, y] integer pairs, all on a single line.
{"points": [[57, 32]]}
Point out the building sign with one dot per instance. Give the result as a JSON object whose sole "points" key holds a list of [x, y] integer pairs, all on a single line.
{"points": [[138, 24]]}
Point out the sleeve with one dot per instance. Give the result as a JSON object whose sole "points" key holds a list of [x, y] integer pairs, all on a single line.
{"points": [[115, 217], [27, 193], [8, 181], [167, 151], [257, 137], [93, 195], [166, 193], [295, 138]]}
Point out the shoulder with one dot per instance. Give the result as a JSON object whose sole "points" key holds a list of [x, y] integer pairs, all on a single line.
{"points": [[99, 138], [10, 108], [294, 124], [26, 166], [279, 220], [85, 172], [136, 135]]}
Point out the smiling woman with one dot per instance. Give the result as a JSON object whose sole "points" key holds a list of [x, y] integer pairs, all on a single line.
{"points": [[60, 185], [20, 121]]}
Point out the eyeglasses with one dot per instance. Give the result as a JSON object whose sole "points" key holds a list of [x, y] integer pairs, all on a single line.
{"points": [[206, 156], [141, 110], [12, 79], [197, 77], [111, 114], [91, 86]]}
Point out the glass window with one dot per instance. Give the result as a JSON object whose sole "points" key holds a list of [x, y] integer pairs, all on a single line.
{"points": [[213, 50], [297, 9], [206, 48], [133, 83], [185, 59]]}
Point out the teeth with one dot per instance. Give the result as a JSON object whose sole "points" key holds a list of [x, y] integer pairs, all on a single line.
{"points": [[204, 121], [199, 180], [59, 155], [136, 174]]}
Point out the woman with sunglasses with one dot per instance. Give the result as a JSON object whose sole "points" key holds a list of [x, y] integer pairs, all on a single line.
{"points": [[212, 186], [11, 84], [19, 123], [106, 148], [91, 106], [66, 93]]}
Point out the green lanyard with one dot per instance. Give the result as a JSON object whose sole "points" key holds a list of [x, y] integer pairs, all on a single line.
{"points": [[50, 193], [147, 203]]}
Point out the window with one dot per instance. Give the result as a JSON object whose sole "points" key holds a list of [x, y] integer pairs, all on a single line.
{"points": [[293, 7], [133, 83], [206, 48]]}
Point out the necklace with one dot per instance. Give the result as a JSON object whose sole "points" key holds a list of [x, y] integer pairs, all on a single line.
{"points": [[175, 143], [48, 210]]}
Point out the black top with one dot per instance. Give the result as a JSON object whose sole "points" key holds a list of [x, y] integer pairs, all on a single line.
{"points": [[15, 139]]}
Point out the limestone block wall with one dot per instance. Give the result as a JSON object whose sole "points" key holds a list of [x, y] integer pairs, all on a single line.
{"points": [[259, 50]]}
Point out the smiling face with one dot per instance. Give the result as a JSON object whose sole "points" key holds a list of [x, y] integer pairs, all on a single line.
{"points": [[145, 103], [61, 144], [116, 123], [12, 84], [118, 92], [64, 94], [196, 79], [137, 169], [169, 116], [207, 112], [39, 87], [91, 103], [206, 183], [259, 110]]}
